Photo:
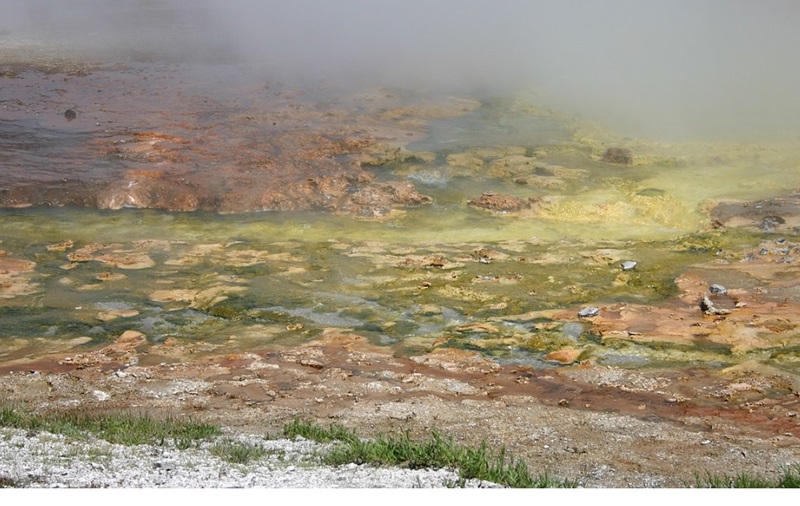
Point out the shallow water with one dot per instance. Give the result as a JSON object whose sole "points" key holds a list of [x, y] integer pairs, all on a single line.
{"points": [[421, 276]]}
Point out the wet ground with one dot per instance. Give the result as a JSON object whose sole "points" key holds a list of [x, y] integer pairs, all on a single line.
{"points": [[201, 238]]}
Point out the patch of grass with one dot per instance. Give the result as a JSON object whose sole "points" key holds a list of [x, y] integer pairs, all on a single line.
{"points": [[790, 479], [122, 428], [436, 452], [319, 433], [9, 483], [237, 452], [96, 454], [11, 417]]}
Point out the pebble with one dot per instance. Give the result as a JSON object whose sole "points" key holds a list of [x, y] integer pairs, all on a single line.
{"points": [[717, 289], [100, 395], [588, 312], [629, 265]]}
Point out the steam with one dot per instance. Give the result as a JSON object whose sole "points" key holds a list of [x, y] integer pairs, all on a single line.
{"points": [[676, 69]]}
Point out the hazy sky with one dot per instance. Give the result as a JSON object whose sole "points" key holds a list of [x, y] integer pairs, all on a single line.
{"points": [[715, 67]]}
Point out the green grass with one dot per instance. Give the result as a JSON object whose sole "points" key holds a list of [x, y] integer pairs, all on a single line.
{"points": [[790, 479], [237, 452], [319, 433], [122, 428], [436, 452], [9, 483]]}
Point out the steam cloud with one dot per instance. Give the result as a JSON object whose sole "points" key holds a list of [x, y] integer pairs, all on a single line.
{"points": [[678, 68]]}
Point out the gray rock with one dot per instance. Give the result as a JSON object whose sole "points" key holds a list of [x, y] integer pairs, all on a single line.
{"points": [[708, 307], [717, 289], [619, 156]]}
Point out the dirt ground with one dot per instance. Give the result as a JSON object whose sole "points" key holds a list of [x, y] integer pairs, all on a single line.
{"points": [[602, 426]]}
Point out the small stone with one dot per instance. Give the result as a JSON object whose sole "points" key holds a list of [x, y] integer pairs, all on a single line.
{"points": [[100, 395], [708, 307], [309, 362], [70, 114], [717, 289], [629, 265], [588, 312], [619, 156]]}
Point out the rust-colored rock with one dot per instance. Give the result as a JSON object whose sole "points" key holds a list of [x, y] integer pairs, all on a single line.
{"points": [[152, 190], [564, 355], [742, 319], [131, 338], [379, 199], [776, 215], [500, 203], [12, 265], [120, 353], [323, 193], [15, 277], [284, 151]]}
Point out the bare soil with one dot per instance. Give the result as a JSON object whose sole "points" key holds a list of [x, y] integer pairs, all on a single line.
{"points": [[603, 426]]}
